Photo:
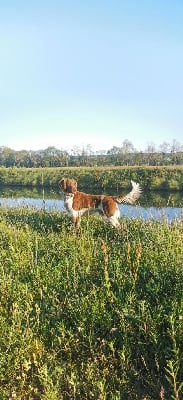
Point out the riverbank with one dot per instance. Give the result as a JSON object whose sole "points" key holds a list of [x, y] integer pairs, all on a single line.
{"points": [[98, 178], [97, 315]]}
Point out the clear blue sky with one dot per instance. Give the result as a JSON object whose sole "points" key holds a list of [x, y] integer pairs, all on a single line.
{"points": [[78, 72]]}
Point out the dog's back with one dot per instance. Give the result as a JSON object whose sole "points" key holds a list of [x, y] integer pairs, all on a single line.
{"points": [[85, 200]]}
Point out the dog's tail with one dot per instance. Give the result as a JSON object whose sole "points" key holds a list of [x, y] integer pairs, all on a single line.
{"points": [[132, 196]]}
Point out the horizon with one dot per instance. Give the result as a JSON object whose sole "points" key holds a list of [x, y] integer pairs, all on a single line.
{"points": [[163, 147]]}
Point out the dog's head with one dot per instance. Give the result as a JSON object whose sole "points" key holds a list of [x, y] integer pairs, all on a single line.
{"points": [[68, 185]]}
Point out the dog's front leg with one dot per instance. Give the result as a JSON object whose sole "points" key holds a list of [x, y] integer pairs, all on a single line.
{"points": [[76, 221]]}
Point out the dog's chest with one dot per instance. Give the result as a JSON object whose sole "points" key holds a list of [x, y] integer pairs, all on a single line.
{"points": [[69, 202]]}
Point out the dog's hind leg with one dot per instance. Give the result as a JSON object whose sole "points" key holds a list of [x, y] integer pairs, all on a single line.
{"points": [[114, 219], [114, 222]]}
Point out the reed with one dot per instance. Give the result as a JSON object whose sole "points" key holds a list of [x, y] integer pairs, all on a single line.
{"points": [[97, 178], [93, 315]]}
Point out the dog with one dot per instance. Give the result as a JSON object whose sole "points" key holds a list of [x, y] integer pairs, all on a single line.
{"points": [[80, 203]]}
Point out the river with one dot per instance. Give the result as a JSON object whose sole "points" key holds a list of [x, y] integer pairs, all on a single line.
{"points": [[154, 205]]}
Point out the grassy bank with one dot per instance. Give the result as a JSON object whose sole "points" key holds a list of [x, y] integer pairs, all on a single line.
{"points": [[98, 178], [93, 316]]}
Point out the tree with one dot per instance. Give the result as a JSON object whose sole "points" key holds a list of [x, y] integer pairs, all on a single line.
{"points": [[127, 152], [127, 147], [164, 147], [8, 157], [115, 150], [150, 151]]}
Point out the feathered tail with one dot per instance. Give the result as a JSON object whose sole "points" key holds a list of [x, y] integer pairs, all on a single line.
{"points": [[132, 196]]}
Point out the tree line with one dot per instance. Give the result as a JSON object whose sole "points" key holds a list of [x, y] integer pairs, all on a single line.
{"points": [[125, 155]]}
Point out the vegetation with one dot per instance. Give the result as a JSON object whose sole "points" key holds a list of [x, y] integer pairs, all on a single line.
{"points": [[166, 154], [96, 315], [98, 178]]}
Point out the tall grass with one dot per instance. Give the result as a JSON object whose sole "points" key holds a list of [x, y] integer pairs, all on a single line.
{"points": [[97, 315], [98, 178]]}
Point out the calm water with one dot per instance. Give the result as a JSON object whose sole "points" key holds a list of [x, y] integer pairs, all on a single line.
{"points": [[157, 206]]}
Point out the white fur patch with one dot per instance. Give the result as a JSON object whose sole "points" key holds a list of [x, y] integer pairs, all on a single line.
{"points": [[113, 220]]}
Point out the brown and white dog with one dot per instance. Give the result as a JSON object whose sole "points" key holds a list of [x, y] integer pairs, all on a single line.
{"points": [[80, 203]]}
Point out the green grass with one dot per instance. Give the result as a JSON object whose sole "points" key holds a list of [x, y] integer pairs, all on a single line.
{"points": [[97, 315], [111, 178]]}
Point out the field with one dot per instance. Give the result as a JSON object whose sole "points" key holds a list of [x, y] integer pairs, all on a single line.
{"points": [[94, 315]]}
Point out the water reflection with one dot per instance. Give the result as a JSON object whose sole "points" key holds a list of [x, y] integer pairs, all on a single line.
{"points": [[152, 205]]}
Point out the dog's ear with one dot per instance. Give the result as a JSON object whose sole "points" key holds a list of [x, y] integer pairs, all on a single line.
{"points": [[62, 184], [68, 185]]}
